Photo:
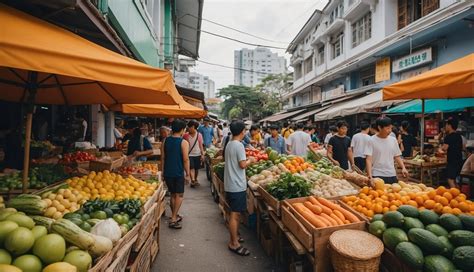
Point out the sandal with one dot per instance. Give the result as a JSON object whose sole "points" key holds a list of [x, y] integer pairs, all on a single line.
{"points": [[241, 240], [179, 218], [174, 225], [242, 251]]}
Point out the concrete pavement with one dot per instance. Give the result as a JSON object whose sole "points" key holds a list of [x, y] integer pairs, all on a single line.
{"points": [[201, 245]]}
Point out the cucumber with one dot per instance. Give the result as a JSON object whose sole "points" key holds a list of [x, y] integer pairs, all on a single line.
{"points": [[463, 258], [438, 263], [450, 222], [428, 217], [411, 223], [393, 236], [410, 254], [467, 221], [408, 211], [437, 230], [393, 219], [448, 247], [426, 240], [461, 238]]}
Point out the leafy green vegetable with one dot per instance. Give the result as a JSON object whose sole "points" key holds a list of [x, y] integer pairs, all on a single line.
{"points": [[289, 186]]}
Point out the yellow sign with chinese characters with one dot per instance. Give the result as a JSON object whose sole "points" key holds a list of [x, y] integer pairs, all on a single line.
{"points": [[382, 69]]}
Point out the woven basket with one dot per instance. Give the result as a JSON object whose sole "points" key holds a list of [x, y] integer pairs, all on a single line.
{"points": [[355, 250]]}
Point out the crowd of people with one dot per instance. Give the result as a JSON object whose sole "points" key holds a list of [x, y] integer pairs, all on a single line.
{"points": [[373, 149]]}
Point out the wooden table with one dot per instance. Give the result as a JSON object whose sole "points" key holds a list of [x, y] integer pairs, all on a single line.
{"points": [[424, 167]]}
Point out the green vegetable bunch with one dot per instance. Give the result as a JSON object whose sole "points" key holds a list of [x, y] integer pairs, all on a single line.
{"points": [[289, 186]]}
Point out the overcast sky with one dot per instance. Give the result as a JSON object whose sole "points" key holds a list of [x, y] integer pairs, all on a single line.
{"points": [[276, 20]]}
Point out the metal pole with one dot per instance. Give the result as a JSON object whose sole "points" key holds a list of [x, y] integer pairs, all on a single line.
{"points": [[422, 144], [32, 87]]}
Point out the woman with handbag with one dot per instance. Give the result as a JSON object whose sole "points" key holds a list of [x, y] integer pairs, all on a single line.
{"points": [[196, 150]]}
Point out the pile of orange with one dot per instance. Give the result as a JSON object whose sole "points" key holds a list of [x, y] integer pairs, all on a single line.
{"points": [[442, 200], [297, 164]]}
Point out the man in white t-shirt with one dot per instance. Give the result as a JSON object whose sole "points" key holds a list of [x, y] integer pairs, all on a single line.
{"points": [[297, 143], [332, 132], [381, 153], [359, 144]]}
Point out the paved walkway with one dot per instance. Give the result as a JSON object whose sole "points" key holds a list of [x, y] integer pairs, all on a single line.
{"points": [[201, 245]]}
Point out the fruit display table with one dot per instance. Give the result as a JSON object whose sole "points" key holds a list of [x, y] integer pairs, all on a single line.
{"points": [[424, 172]]}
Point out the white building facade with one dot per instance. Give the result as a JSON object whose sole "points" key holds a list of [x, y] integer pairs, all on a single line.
{"points": [[185, 78], [360, 45], [253, 65]]}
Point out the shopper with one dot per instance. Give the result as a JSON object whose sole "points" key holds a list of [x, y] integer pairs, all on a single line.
{"points": [[339, 147], [408, 140], [359, 144], [175, 161], [315, 136], [225, 129], [196, 150], [286, 131], [139, 147], [382, 152], [332, 131], [253, 137], [275, 141], [468, 166], [453, 147], [235, 184], [297, 143], [207, 133]]}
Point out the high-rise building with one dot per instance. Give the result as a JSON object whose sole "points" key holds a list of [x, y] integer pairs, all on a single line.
{"points": [[253, 65], [185, 78]]}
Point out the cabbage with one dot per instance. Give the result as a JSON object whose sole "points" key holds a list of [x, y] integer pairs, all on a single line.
{"points": [[108, 228]]}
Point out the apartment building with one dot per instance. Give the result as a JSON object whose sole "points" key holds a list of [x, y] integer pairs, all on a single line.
{"points": [[354, 46], [253, 65], [184, 77]]}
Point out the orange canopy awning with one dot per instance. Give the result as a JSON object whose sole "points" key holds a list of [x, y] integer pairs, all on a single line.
{"points": [[452, 80], [182, 110], [63, 68]]}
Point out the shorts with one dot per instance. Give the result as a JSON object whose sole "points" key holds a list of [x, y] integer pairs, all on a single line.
{"points": [[195, 162], [389, 180], [360, 163], [237, 201], [175, 184], [453, 170]]}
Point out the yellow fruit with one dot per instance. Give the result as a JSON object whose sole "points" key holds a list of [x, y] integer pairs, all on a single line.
{"points": [[50, 211], [57, 215]]}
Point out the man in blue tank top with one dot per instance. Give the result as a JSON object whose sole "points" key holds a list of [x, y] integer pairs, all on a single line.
{"points": [[175, 161]]}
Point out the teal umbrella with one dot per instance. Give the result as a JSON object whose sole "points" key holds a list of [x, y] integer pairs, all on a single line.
{"points": [[433, 105]]}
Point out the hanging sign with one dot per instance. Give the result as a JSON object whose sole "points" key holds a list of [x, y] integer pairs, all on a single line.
{"points": [[382, 69], [413, 60], [431, 128]]}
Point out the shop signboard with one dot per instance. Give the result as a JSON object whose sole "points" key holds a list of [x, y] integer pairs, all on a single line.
{"points": [[382, 70], [413, 60], [431, 128], [414, 72]]}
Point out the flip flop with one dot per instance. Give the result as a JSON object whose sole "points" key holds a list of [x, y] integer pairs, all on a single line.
{"points": [[241, 240], [242, 251], [175, 225]]}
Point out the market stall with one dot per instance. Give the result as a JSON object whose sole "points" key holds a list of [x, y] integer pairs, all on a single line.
{"points": [[36, 69]]}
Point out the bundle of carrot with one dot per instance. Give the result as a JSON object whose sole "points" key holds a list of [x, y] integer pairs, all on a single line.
{"points": [[323, 213]]}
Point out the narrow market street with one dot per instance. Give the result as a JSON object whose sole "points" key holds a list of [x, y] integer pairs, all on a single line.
{"points": [[201, 244]]}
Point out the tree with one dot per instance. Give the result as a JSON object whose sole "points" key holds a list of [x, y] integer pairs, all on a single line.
{"points": [[241, 102], [274, 87]]}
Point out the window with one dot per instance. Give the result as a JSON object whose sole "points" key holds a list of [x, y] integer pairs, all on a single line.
{"points": [[308, 64], [320, 56], [412, 10], [362, 30], [336, 13], [298, 71], [337, 44], [367, 76]]}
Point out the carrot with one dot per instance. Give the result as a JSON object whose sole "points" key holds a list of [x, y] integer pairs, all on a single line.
{"points": [[338, 220], [325, 209], [323, 219], [327, 217], [308, 215], [315, 209], [340, 215], [348, 215]]}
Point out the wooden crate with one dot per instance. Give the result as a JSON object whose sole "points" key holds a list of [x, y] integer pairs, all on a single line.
{"points": [[147, 224], [115, 154], [315, 240], [153, 199], [121, 257], [130, 236], [103, 262], [219, 185], [143, 261], [155, 244], [100, 166], [272, 202]]}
